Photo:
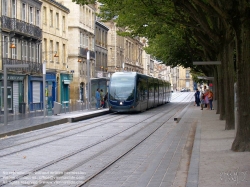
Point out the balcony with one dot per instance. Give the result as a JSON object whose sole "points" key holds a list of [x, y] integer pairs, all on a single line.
{"points": [[82, 52], [34, 67], [21, 27]]}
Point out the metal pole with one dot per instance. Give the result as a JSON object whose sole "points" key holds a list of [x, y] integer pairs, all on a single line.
{"points": [[5, 88], [88, 80], [44, 82], [5, 96]]}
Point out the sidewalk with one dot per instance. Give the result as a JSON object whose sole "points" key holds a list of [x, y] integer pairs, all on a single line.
{"points": [[213, 163], [29, 123]]}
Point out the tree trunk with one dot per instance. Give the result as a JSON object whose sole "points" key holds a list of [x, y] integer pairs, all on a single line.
{"points": [[229, 84], [242, 139], [216, 91], [221, 90]]}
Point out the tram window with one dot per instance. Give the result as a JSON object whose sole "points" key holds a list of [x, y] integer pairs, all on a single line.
{"points": [[122, 88], [142, 89]]}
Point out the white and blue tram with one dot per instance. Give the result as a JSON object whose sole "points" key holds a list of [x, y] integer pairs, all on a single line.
{"points": [[134, 92]]}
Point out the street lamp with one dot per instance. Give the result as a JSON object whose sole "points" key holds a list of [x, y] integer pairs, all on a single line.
{"points": [[44, 80], [88, 80]]}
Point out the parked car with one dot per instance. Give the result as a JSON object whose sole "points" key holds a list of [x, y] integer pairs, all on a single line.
{"points": [[185, 90]]}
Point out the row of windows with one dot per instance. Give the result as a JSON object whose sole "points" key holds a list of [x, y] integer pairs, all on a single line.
{"points": [[27, 51], [29, 13], [51, 48], [53, 19], [30, 51]]}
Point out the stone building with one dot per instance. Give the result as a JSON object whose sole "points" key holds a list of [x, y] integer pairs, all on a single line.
{"points": [[81, 32], [101, 63], [55, 51], [21, 37], [124, 53], [184, 79]]}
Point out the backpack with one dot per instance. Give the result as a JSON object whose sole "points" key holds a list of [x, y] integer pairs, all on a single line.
{"points": [[210, 96]]}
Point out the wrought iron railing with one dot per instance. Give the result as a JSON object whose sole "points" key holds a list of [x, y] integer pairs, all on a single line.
{"points": [[22, 27], [83, 53], [34, 67]]}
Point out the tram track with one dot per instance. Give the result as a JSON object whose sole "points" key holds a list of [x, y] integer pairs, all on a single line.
{"points": [[58, 133], [56, 161], [54, 134], [96, 143]]}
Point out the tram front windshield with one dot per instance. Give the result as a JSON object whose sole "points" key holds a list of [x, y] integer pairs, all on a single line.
{"points": [[122, 88]]}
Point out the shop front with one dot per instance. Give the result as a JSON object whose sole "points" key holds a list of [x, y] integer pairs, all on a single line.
{"points": [[65, 80], [35, 95], [15, 93]]}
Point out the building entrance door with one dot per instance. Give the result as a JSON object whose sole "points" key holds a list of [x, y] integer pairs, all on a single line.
{"points": [[9, 98]]}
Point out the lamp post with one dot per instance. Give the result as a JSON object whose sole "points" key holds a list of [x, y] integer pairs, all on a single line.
{"points": [[88, 80], [44, 82], [5, 88]]}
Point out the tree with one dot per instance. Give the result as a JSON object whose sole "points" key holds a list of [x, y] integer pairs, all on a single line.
{"points": [[216, 25]]}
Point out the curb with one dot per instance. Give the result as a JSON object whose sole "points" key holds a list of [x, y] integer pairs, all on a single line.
{"points": [[52, 123], [193, 171]]}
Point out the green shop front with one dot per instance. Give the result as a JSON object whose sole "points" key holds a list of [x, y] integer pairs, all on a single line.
{"points": [[15, 93], [65, 80]]}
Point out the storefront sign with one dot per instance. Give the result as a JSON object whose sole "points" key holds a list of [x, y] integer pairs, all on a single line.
{"points": [[13, 77]]}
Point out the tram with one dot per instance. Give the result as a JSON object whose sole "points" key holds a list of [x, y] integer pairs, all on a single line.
{"points": [[134, 92]]}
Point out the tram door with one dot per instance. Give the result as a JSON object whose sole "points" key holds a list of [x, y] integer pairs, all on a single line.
{"points": [[9, 98]]}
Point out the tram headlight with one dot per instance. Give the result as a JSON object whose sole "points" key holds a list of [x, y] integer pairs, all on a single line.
{"points": [[121, 103]]}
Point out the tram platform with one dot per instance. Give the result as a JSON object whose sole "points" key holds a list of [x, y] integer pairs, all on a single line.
{"points": [[25, 123]]}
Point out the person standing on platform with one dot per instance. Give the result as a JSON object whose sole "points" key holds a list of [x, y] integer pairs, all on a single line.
{"points": [[210, 99], [197, 97], [98, 98], [102, 98], [105, 100], [205, 94]]}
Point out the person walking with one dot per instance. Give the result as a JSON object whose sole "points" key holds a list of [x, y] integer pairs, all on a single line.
{"points": [[210, 99], [197, 97], [202, 100], [98, 98]]}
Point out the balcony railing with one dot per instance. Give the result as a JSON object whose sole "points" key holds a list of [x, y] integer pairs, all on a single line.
{"points": [[83, 52], [21, 27], [34, 67]]}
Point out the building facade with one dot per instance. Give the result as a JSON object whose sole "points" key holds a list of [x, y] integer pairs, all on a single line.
{"points": [[55, 51], [21, 37], [101, 44], [124, 53], [184, 79], [81, 32]]}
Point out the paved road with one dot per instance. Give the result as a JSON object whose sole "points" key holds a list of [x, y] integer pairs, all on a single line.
{"points": [[144, 149]]}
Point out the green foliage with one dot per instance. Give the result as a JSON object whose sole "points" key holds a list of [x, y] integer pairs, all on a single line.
{"points": [[164, 24], [84, 2]]}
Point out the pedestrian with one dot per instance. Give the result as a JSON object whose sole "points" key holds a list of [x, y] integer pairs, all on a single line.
{"points": [[206, 99], [205, 90], [98, 98], [102, 98], [197, 97], [105, 100], [210, 99], [194, 99], [202, 101]]}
